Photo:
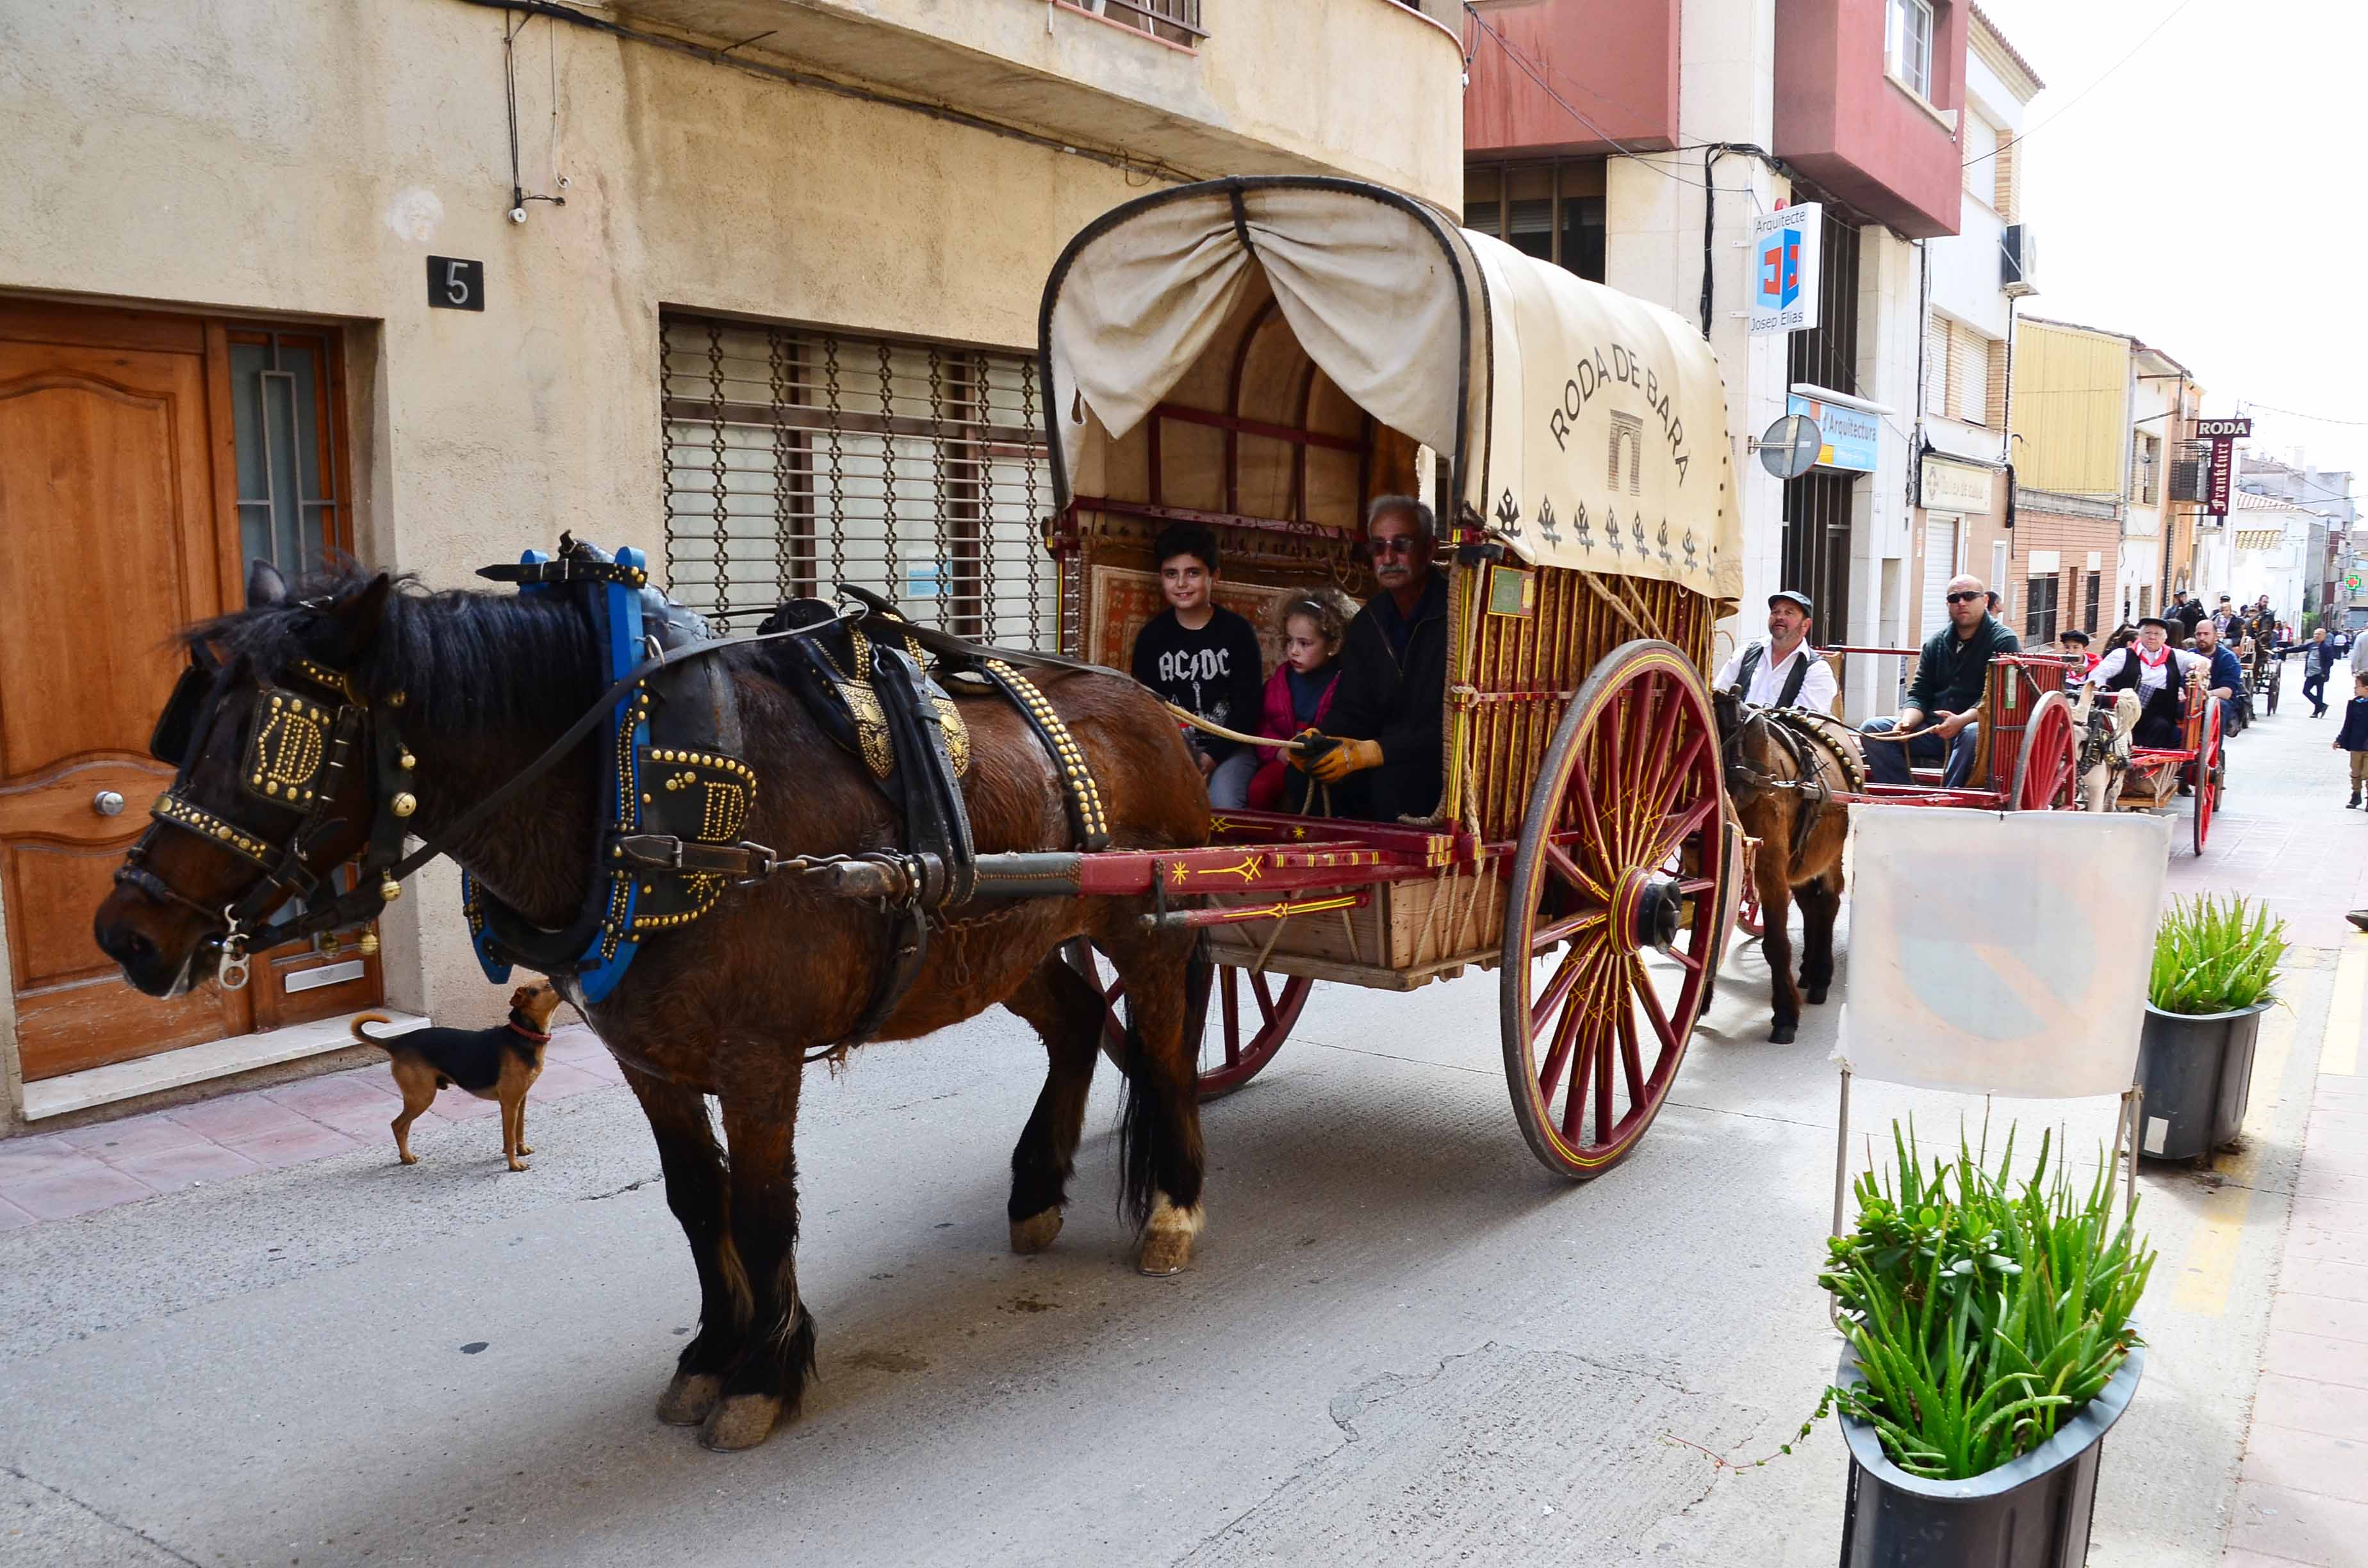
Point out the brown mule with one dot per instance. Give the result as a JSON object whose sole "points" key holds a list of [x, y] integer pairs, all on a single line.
{"points": [[1782, 766], [735, 1006]]}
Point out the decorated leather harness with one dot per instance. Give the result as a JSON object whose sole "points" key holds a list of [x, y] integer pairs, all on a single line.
{"points": [[675, 795]]}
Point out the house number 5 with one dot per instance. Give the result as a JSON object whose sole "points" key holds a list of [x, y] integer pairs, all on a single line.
{"points": [[454, 284]]}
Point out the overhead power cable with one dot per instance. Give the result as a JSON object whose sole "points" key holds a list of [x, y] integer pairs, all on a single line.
{"points": [[2058, 112]]}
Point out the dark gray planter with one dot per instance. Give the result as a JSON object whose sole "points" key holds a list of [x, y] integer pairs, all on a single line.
{"points": [[2197, 1072], [2033, 1513]]}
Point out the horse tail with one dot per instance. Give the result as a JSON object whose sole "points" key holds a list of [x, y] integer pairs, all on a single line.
{"points": [[1137, 1127], [367, 1038]]}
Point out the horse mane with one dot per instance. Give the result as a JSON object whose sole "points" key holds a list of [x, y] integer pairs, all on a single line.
{"points": [[464, 659]]}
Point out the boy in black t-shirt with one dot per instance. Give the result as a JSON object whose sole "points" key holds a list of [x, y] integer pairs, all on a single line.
{"points": [[1203, 659]]}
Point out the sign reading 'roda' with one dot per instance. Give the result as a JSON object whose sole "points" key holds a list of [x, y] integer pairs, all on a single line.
{"points": [[1598, 373]]}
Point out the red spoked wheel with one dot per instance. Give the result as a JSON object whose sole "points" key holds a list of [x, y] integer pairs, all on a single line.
{"points": [[2043, 769], [2204, 775], [1615, 910], [1242, 1018]]}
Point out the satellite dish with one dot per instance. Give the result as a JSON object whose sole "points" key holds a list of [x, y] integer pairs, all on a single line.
{"points": [[1789, 447]]}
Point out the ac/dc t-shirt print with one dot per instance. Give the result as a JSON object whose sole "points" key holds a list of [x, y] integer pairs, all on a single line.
{"points": [[1213, 673]]}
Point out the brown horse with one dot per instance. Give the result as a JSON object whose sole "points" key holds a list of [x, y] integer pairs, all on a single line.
{"points": [[1782, 767], [478, 685]]}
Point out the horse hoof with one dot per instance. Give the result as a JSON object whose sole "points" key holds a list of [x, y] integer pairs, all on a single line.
{"points": [[1167, 1238], [1164, 1252], [1815, 995], [743, 1421], [1781, 1034], [1035, 1233], [689, 1398]]}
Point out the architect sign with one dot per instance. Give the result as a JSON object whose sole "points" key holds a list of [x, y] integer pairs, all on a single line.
{"points": [[1852, 434], [1784, 255]]}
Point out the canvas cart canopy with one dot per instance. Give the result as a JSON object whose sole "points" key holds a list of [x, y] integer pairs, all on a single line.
{"points": [[1585, 429]]}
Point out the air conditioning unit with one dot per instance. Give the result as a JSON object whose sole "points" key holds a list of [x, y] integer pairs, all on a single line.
{"points": [[2019, 262]]}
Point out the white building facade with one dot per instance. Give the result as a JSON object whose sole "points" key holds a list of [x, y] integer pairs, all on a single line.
{"points": [[1973, 282]]}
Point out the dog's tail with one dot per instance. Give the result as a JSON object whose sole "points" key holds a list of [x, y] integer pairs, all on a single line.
{"points": [[367, 1038]]}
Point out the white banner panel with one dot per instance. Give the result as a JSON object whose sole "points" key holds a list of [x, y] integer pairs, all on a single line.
{"points": [[2001, 953]]}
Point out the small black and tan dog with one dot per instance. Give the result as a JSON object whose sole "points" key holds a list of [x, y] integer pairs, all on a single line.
{"points": [[499, 1063]]}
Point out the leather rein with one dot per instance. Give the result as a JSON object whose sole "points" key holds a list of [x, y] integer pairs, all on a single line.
{"points": [[358, 726]]}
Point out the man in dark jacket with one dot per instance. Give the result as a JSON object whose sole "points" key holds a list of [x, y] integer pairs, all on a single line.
{"points": [[1947, 690], [1386, 711]]}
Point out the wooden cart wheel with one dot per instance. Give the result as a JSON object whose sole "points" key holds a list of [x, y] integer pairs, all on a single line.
{"points": [[1242, 1018], [2205, 772], [2043, 769], [1614, 910]]}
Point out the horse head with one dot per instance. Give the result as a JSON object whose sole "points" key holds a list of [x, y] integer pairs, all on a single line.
{"points": [[270, 738]]}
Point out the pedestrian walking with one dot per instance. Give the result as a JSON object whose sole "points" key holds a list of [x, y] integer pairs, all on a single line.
{"points": [[2317, 664], [2354, 735], [2359, 654]]}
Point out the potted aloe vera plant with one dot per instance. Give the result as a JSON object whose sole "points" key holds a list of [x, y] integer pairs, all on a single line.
{"points": [[1991, 1349], [2216, 973]]}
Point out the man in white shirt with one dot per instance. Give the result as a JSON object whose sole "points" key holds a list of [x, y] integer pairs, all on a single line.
{"points": [[1781, 670], [2159, 673]]}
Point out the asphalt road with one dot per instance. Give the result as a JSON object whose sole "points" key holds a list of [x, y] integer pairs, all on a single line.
{"points": [[1402, 1340]]}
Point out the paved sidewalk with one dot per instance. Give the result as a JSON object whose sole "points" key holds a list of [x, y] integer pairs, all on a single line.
{"points": [[2284, 836], [52, 1176], [2301, 1494]]}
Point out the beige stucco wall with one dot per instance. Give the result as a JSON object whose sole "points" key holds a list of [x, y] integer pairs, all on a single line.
{"points": [[259, 156]]}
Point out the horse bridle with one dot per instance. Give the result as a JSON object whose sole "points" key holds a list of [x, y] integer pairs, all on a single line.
{"points": [[301, 749], [308, 727]]}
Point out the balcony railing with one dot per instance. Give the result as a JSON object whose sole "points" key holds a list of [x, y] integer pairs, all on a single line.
{"points": [[1175, 21]]}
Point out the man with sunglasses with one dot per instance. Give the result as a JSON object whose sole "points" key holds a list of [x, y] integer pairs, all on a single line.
{"points": [[1388, 709], [1947, 691]]}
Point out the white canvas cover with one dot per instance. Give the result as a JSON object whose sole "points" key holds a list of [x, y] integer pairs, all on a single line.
{"points": [[1585, 409], [1607, 447], [2000, 953]]}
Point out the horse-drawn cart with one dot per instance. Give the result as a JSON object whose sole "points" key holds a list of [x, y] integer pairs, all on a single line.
{"points": [[1263, 356]]}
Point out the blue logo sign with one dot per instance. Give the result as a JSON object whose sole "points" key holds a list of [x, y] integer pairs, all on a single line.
{"points": [[1779, 268]]}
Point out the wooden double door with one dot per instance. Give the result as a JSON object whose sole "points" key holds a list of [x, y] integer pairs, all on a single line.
{"points": [[144, 457]]}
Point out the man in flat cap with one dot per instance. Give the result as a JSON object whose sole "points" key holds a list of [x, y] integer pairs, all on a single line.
{"points": [[1781, 670]]}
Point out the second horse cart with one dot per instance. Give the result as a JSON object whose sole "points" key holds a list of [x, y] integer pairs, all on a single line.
{"points": [[1264, 355]]}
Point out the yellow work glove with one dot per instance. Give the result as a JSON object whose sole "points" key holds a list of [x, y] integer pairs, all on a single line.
{"points": [[1348, 756]]}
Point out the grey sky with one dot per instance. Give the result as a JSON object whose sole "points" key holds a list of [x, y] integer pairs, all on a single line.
{"points": [[2200, 196]]}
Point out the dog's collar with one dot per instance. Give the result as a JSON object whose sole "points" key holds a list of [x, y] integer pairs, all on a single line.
{"points": [[520, 1029]]}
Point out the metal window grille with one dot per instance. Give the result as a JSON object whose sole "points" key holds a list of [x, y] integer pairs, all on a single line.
{"points": [[1818, 505], [2092, 602], [1177, 21], [289, 510], [796, 458], [2039, 610]]}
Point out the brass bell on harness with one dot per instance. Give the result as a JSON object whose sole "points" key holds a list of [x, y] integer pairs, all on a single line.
{"points": [[389, 890], [367, 944], [404, 804]]}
